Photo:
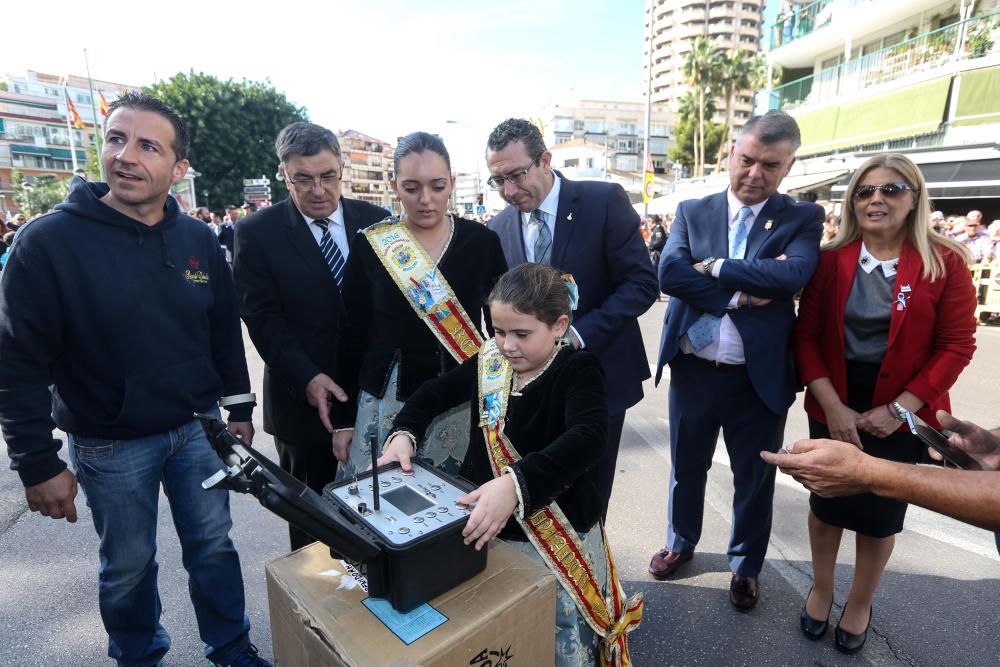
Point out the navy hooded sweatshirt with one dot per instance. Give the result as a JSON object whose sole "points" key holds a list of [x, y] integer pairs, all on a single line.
{"points": [[137, 327]]}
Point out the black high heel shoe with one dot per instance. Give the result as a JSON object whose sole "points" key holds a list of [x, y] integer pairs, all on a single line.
{"points": [[848, 642], [812, 628]]}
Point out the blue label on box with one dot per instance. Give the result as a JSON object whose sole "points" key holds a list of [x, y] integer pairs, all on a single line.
{"points": [[409, 627]]}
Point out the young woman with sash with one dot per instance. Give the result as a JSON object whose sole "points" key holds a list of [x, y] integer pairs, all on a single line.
{"points": [[414, 293], [539, 424]]}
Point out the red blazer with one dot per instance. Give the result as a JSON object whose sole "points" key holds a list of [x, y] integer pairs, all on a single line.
{"points": [[930, 341]]}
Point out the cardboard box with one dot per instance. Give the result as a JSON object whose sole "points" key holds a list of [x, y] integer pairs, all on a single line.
{"points": [[502, 617]]}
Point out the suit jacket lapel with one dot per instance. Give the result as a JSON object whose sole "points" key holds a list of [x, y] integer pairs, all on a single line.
{"points": [[907, 274], [717, 225], [568, 196], [511, 237], [351, 225], [303, 241], [759, 231]]}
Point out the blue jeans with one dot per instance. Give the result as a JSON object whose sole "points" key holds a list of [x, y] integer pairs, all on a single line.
{"points": [[121, 480]]}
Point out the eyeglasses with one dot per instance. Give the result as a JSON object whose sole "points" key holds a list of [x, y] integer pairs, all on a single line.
{"points": [[514, 177], [889, 190], [307, 184]]}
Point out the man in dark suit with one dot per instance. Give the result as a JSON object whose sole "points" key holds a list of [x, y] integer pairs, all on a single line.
{"points": [[588, 229], [732, 267], [288, 262], [227, 231]]}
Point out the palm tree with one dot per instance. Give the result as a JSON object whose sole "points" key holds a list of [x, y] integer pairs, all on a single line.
{"points": [[687, 111], [687, 121], [738, 71], [700, 65]]}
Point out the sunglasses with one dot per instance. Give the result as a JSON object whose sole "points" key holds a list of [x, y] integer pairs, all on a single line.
{"points": [[888, 190]]}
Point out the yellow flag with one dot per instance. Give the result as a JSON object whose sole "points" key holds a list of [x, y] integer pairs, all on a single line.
{"points": [[647, 181]]}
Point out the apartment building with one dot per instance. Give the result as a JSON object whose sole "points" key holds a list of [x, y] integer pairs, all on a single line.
{"points": [[865, 76], [34, 134], [618, 126], [730, 24], [367, 168]]}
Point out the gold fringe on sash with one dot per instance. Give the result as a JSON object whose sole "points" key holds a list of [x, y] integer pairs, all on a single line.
{"points": [[551, 533]]}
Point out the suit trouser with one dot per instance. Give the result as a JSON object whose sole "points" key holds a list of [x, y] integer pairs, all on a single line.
{"points": [[313, 464], [702, 399], [609, 460]]}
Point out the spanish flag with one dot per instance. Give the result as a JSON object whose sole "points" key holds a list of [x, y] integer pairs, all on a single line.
{"points": [[73, 115], [102, 104]]}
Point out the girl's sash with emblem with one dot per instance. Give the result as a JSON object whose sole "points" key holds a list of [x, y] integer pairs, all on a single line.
{"points": [[424, 287], [551, 533]]}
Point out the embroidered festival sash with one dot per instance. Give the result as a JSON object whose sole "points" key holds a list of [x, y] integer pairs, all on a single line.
{"points": [[424, 287], [551, 533]]}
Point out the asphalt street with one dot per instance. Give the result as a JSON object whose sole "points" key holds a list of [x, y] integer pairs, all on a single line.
{"points": [[937, 603]]}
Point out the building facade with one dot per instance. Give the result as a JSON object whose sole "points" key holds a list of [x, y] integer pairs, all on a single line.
{"points": [[921, 77], [34, 127], [619, 127], [730, 24], [367, 169], [584, 160]]}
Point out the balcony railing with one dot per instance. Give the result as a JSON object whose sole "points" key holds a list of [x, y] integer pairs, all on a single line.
{"points": [[804, 20], [924, 52]]}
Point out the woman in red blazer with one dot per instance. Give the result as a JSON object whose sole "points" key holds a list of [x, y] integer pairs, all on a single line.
{"points": [[886, 321]]}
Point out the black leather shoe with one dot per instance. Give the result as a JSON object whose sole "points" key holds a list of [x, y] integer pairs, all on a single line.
{"points": [[812, 628], [850, 643], [744, 592]]}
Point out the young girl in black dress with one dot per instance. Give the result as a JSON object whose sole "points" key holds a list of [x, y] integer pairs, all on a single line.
{"points": [[549, 414]]}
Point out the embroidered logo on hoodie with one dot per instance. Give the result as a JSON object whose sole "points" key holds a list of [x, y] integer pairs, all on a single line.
{"points": [[193, 274]]}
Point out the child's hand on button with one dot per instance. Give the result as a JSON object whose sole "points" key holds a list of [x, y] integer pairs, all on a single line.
{"points": [[399, 448], [495, 502]]}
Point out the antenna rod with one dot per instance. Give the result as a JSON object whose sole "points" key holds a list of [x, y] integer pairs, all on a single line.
{"points": [[372, 436]]}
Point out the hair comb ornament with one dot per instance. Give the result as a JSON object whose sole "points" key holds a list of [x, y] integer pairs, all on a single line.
{"points": [[574, 292]]}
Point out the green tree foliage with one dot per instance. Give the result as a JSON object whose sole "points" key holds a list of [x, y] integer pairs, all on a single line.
{"points": [[233, 126], [92, 168], [700, 69], [686, 129], [737, 71], [685, 136], [37, 195]]}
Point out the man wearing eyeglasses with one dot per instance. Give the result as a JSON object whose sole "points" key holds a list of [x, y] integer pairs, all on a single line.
{"points": [[289, 259], [588, 229], [732, 267]]}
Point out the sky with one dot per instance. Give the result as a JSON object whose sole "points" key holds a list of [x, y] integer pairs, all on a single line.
{"points": [[382, 67]]}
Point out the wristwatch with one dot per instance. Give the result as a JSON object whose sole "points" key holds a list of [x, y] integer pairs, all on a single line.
{"points": [[706, 265]]}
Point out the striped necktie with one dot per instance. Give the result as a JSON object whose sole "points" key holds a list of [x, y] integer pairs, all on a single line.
{"points": [[543, 243], [331, 253]]}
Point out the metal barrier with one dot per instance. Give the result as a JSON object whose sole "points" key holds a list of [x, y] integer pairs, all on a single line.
{"points": [[985, 277]]}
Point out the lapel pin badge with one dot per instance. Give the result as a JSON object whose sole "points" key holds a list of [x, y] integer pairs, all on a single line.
{"points": [[569, 217], [768, 225]]}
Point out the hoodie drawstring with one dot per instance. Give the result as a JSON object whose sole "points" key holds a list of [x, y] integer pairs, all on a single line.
{"points": [[166, 255]]}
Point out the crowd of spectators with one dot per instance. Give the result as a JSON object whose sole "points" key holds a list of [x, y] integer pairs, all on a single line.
{"points": [[970, 231]]}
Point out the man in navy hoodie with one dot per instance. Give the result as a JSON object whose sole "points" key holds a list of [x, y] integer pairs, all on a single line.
{"points": [[132, 321]]}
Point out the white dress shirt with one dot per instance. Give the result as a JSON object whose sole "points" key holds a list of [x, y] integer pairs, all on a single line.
{"points": [[337, 229], [728, 347], [529, 228]]}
